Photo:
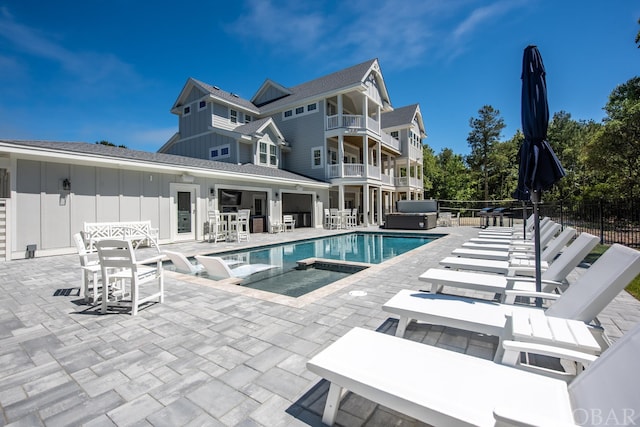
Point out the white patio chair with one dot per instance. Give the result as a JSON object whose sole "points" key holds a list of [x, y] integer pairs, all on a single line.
{"points": [[442, 387], [90, 265], [335, 219], [241, 225], [327, 218], [127, 282], [553, 248], [182, 263], [552, 279], [217, 227], [217, 268], [582, 301], [288, 223], [275, 225]]}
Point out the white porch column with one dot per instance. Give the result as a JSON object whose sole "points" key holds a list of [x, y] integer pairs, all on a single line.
{"points": [[339, 110], [341, 197], [379, 156], [341, 154], [379, 207], [379, 119], [365, 205], [365, 111], [365, 155]]}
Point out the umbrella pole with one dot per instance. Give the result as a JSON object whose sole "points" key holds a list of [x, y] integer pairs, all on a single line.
{"points": [[536, 196], [524, 219]]}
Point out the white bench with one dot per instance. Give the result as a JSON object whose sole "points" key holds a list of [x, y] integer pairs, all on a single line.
{"points": [[139, 232]]}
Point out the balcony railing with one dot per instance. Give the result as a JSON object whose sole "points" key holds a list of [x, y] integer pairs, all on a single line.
{"points": [[406, 181], [345, 170], [358, 122]]}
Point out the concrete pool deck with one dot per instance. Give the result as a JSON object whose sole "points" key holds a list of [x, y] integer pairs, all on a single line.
{"points": [[211, 355]]}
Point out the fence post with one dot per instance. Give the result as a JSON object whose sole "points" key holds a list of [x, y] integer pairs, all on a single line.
{"points": [[601, 212]]}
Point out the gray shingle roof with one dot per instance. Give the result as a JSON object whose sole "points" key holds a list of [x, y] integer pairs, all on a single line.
{"points": [[251, 127], [105, 151], [398, 117], [340, 79], [228, 96]]}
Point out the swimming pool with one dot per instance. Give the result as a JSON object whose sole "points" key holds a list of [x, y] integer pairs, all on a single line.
{"points": [[291, 279]]}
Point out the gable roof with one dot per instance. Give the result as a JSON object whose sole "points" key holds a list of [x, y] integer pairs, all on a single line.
{"points": [[213, 92], [149, 160], [343, 79], [402, 117]]}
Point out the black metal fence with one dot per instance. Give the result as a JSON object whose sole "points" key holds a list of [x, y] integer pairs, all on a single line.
{"points": [[613, 222]]}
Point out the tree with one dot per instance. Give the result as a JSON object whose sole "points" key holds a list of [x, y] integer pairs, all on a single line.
{"points": [[614, 151], [110, 144], [485, 133]]}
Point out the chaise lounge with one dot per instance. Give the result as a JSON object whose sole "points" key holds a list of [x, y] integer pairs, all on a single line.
{"points": [[552, 278], [582, 301], [442, 387]]}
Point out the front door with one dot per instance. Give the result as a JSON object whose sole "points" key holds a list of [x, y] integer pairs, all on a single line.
{"points": [[183, 218]]}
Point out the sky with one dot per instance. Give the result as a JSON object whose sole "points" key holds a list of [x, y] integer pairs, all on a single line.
{"points": [[96, 70]]}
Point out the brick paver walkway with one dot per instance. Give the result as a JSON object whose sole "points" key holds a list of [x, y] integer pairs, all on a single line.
{"points": [[208, 356]]}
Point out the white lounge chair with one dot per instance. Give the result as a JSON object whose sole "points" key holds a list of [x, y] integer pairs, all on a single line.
{"points": [[515, 251], [442, 387], [519, 265], [546, 234], [583, 300], [555, 245], [216, 267], [552, 278], [182, 263]]}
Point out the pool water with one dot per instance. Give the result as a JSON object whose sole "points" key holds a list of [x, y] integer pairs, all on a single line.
{"points": [[288, 279]]}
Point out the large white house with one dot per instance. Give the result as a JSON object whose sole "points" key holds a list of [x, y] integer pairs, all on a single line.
{"points": [[331, 142]]}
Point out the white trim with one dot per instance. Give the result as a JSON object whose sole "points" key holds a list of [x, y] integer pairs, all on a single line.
{"points": [[313, 157], [205, 105], [220, 155], [194, 189], [186, 113]]}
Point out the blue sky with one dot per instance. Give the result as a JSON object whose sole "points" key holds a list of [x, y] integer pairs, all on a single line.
{"points": [[111, 69]]}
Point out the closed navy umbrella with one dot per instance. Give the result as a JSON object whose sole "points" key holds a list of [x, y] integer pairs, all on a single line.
{"points": [[540, 168]]}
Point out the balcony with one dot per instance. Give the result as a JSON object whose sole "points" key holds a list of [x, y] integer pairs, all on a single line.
{"points": [[406, 181], [345, 170], [361, 123]]}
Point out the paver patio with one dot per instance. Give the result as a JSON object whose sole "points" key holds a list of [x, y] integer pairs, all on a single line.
{"points": [[210, 355]]}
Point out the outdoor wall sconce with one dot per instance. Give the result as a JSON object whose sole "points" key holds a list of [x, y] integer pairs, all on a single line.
{"points": [[212, 192], [317, 197], [66, 184], [277, 194]]}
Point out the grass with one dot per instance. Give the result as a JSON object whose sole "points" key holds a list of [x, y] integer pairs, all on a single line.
{"points": [[634, 286]]}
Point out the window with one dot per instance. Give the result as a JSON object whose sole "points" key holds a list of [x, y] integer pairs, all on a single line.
{"points": [[395, 134], [312, 107], [202, 105], [273, 155], [233, 116], [299, 110], [288, 113], [316, 157], [220, 152], [186, 110], [333, 157], [263, 153], [247, 118]]}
